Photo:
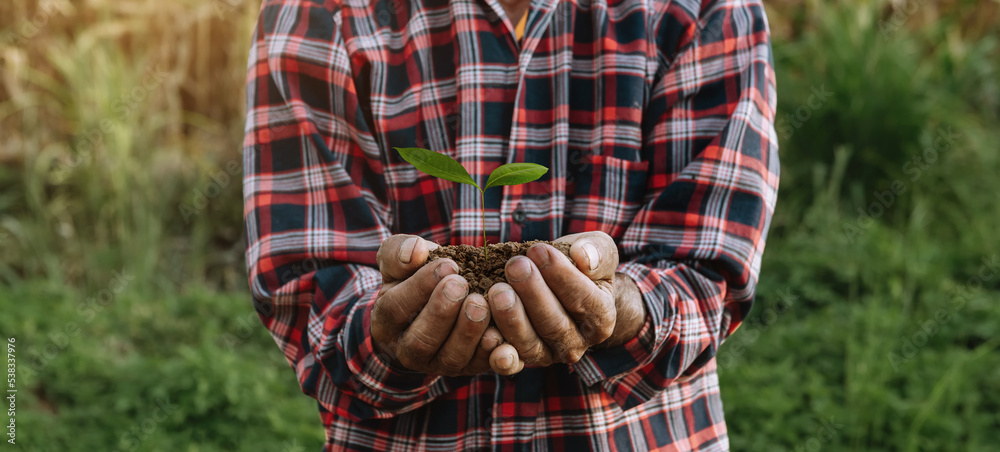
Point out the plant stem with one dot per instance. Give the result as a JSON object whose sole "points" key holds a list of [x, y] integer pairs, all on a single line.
{"points": [[482, 199]]}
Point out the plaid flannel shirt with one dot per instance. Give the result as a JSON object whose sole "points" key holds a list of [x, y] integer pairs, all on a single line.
{"points": [[655, 118]]}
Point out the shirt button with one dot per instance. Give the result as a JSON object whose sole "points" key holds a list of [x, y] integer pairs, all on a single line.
{"points": [[489, 422], [519, 215]]}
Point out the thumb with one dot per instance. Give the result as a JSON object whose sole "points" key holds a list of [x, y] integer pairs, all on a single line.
{"points": [[401, 255], [594, 253]]}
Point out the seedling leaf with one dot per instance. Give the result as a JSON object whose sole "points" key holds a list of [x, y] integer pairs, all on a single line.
{"points": [[440, 165], [515, 173], [437, 165]]}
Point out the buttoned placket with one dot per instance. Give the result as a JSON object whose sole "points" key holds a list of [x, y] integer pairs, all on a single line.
{"points": [[514, 213], [514, 216], [504, 389]]}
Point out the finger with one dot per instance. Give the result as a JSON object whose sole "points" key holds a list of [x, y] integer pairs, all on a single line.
{"points": [[422, 340], [591, 305], [462, 343], [594, 253], [398, 303], [548, 318], [401, 255], [504, 360], [481, 360], [512, 321]]}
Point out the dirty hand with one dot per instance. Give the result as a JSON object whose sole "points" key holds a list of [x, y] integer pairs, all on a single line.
{"points": [[554, 309], [424, 318]]}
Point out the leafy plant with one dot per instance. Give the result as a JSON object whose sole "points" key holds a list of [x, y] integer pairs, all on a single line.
{"points": [[444, 167]]}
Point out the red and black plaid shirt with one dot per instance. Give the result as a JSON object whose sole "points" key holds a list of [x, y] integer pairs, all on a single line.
{"points": [[655, 118]]}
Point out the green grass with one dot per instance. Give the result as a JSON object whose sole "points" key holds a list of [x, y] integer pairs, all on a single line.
{"points": [[869, 333], [842, 337], [121, 126], [126, 370]]}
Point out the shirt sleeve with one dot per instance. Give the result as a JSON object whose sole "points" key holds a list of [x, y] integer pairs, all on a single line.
{"points": [[313, 215], [694, 247]]}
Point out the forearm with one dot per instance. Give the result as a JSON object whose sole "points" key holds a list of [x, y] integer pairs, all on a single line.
{"points": [[685, 315], [325, 337], [313, 222], [694, 247]]}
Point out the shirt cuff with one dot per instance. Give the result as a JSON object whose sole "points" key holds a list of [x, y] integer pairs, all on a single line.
{"points": [[616, 365], [375, 370]]}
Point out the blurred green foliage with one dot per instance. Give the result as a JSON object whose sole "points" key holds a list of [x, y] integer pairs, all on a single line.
{"points": [[121, 369], [121, 254]]}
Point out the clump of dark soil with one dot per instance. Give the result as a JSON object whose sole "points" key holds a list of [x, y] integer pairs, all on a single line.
{"points": [[484, 273]]}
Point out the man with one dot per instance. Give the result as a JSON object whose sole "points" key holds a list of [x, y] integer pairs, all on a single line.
{"points": [[655, 119]]}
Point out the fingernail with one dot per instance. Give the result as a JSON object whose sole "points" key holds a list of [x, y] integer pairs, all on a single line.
{"points": [[475, 312], [506, 362], [593, 256], [406, 250], [518, 269], [455, 291], [541, 255], [493, 343], [437, 270], [504, 300]]}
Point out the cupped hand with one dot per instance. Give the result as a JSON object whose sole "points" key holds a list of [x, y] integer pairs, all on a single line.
{"points": [[554, 308], [424, 318]]}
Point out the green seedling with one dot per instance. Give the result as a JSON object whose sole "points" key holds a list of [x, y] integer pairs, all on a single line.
{"points": [[444, 167]]}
